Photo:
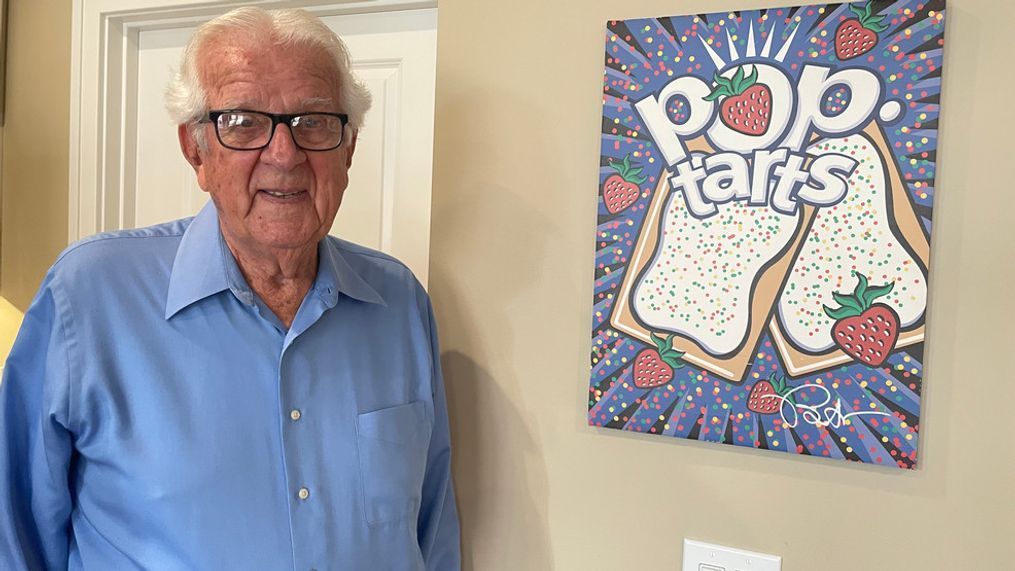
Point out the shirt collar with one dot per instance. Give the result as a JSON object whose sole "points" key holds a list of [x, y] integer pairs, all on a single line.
{"points": [[198, 271], [334, 274], [204, 266]]}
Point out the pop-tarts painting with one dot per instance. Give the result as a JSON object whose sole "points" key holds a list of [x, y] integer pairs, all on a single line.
{"points": [[765, 205]]}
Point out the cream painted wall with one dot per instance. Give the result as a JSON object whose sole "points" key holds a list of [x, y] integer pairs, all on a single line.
{"points": [[10, 321], [514, 211], [518, 107], [36, 146]]}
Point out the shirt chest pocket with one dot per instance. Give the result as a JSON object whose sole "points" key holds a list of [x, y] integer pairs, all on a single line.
{"points": [[392, 460]]}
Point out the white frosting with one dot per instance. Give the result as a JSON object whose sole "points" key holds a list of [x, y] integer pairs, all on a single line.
{"points": [[700, 280], [890, 111], [851, 234]]}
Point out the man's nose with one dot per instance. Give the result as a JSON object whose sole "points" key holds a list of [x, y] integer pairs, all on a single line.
{"points": [[282, 150]]}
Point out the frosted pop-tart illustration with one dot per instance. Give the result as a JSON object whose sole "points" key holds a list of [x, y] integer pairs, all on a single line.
{"points": [[766, 198], [872, 234]]}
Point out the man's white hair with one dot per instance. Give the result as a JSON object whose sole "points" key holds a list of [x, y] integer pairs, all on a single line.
{"points": [[186, 99]]}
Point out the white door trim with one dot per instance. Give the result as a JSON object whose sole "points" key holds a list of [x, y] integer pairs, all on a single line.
{"points": [[103, 75]]}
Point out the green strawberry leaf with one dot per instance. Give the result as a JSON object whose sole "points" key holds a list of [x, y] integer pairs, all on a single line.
{"points": [[866, 11], [624, 168], [672, 357], [738, 79], [617, 167], [861, 287], [750, 80], [719, 91], [856, 11], [875, 23], [848, 301], [781, 387], [840, 313], [722, 80], [635, 176], [661, 344], [876, 292]]}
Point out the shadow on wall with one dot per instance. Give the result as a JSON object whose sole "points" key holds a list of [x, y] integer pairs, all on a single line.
{"points": [[493, 469], [487, 228]]}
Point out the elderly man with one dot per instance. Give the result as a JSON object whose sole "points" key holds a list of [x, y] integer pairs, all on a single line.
{"points": [[237, 390]]}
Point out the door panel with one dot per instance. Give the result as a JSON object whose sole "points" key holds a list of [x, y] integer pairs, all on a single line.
{"points": [[165, 187]]}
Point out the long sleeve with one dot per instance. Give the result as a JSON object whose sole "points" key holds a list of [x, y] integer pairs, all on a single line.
{"points": [[35, 444], [438, 531]]}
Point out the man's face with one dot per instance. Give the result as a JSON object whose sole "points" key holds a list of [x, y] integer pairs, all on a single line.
{"points": [[280, 198]]}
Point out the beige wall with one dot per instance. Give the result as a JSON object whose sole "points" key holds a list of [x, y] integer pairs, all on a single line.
{"points": [[514, 210], [36, 145], [518, 110]]}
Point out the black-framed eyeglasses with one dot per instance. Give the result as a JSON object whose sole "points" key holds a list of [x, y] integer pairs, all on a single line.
{"points": [[245, 130]]}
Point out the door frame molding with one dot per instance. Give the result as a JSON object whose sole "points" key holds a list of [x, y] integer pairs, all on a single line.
{"points": [[104, 44]]}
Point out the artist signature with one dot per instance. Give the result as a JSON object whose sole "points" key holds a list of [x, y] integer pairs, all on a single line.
{"points": [[821, 414]]}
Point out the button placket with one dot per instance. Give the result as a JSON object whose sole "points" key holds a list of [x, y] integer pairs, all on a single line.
{"points": [[307, 500]]}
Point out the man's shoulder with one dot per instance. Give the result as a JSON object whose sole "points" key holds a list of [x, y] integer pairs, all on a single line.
{"points": [[381, 271], [122, 251]]}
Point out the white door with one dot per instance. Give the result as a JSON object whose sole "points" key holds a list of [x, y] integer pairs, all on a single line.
{"points": [[387, 204]]}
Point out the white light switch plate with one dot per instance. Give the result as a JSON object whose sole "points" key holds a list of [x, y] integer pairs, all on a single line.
{"points": [[700, 556]]}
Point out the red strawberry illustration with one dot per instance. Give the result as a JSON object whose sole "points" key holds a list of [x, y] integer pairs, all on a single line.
{"points": [[747, 108], [857, 36], [864, 331], [654, 367], [622, 188], [766, 397]]}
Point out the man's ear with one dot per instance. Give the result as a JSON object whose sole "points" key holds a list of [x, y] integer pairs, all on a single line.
{"points": [[188, 144], [193, 152], [352, 148]]}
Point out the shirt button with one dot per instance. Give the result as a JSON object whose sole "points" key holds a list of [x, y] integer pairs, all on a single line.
{"points": [[303, 493], [295, 414]]}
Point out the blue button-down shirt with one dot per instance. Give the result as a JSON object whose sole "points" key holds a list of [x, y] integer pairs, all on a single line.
{"points": [[156, 415]]}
